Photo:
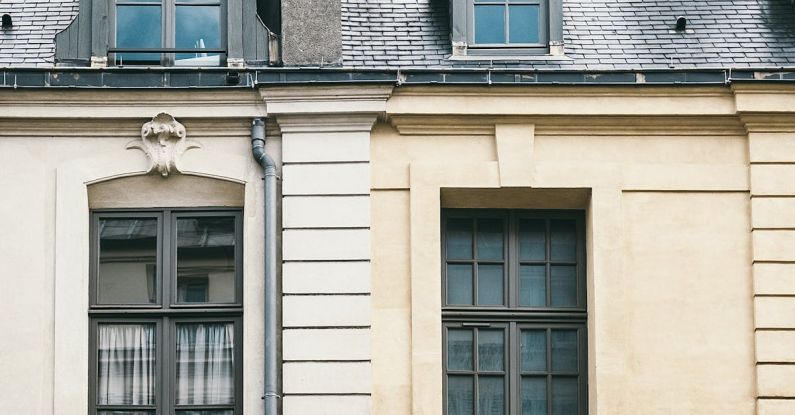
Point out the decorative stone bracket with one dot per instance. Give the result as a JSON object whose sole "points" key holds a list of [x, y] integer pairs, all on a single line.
{"points": [[163, 141]]}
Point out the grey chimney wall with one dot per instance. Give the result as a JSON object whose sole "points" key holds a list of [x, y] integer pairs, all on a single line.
{"points": [[311, 33]]}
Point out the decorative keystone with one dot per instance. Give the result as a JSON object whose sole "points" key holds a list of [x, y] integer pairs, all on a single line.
{"points": [[163, 141]]}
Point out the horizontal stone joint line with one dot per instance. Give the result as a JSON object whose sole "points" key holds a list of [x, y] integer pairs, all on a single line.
{"points": [[326, 327], [310, 163], [772, 261], [327, 228], [360, 294], [783, 295], [774, 329], [685, 190], [327, 394]]}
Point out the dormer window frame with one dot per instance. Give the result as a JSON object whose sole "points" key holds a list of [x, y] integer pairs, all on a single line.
{"points": [[463, 27]]}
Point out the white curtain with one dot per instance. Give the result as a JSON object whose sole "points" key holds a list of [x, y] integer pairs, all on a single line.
{"points": [[126, 364], [205, 363]]}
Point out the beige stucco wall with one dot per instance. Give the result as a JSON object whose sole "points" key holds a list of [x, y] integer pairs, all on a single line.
{"points": [[664, 178], [54, 168]]}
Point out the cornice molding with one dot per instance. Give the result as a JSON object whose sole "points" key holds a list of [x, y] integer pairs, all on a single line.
{"points": [[317, 99], [325, 123], [117, 127], [769, 122], [571, 125]]}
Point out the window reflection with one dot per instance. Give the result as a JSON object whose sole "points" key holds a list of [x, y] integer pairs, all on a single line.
{"points": [[198, 27], [206, 260], [138, 26]]}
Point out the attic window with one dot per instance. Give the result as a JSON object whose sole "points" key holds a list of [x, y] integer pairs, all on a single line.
{"points": [[507, 27]]}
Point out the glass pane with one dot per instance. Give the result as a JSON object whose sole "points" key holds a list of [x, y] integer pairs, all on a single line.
{"points": [[532, 240], [207, 412], [490, 284], [533, 350], [523, 21], [198, 27], [564, 285], [459, 284], [564, 350], [127, 261], [459, 239], [489, 24], [491, 395], [126, 364], [205, 364], [460, 395], [491, 350], [564, 240], [138, 26], [206, 260], [533, 285], [534, 396], [490, 238], [459, 349], [564, 396]]}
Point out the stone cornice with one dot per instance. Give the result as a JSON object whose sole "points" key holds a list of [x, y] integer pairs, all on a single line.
{"points": [[316, 99], [769, 122], [571, 125]]}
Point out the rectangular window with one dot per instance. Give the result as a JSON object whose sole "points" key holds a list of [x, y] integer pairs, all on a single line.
{"points": [[166, 312], [496, 25], [169, 32], [514, 312]]}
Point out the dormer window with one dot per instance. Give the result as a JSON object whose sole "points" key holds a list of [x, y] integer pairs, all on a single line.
{"points": [[165, 33], [168, 32], [507, 27]]}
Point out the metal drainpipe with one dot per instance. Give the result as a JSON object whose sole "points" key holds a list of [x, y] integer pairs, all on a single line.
{"points": [[271, 396]]}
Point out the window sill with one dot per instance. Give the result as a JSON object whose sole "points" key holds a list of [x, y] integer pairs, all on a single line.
{"points": [[529, 58]]}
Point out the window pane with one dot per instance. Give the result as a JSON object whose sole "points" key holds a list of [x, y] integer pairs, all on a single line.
{"points": [[534, 396], [205, 363], [138, 26], [523, 21], [206, 260], [459, 284], [459, 349], [198, 27], [564, 240], [564, 285], [460, 395], [489, 24], [491, 350], [490, 284], [533, 285], [126, 364], [564, 350], [564, 396], [533, 350], [490, 238], [207, 412], [459, 239], [532, 240], [491, 395], [127, 261]]}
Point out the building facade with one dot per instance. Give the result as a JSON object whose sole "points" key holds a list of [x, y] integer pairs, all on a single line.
{"points": [[535, 207]]}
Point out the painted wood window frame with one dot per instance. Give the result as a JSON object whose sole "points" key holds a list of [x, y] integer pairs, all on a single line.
{"points": [[166, 312], [463, 32], [511, 317], [168, 13]]}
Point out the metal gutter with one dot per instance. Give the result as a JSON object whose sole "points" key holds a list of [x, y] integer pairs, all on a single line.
{"points": [[272, 369], [211, 78]]}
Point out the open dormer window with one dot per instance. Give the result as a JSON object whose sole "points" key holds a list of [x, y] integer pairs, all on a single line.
{"points": [[507, 27], [165, 33], [168, 32]]}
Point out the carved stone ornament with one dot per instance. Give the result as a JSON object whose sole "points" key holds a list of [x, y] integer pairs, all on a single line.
{"points": [[163, 141]]}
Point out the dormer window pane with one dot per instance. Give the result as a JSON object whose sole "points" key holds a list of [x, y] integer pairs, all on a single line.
{"points": [[489, 24], [138, 26], [523, 22], [198, 27]]}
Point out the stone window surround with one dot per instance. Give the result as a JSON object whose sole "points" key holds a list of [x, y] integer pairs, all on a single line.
{"points": [[72, 264]]}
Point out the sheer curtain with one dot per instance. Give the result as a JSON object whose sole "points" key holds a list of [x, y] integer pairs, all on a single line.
{"points": [[126, 364], [205, 363]]}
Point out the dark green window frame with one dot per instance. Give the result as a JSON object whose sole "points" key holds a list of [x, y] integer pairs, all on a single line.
{"points": [[166, 313], [556, 324]]}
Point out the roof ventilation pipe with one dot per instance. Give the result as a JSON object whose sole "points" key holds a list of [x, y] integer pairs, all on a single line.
{"points": [[271, 378], [681, 23], [6, 23]]}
